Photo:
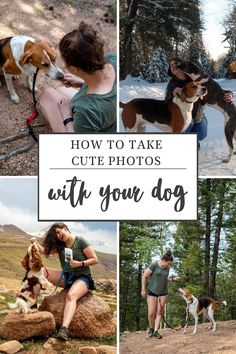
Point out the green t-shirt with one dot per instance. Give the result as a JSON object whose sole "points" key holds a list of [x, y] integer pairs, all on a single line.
{"points": [[78, 255], [158, 281], [95, 113]]}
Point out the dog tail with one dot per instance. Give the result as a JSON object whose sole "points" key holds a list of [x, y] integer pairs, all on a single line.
{"points": [[11, 306], [221, 302], [122, 105]]}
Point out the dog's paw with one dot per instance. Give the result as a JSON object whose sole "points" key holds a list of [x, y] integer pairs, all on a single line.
{"points": [[15, 98]]}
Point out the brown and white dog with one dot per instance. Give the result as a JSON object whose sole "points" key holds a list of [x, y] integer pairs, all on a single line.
{"points": [[33, 282], [175, 116], [198, 306], [22, 55]]}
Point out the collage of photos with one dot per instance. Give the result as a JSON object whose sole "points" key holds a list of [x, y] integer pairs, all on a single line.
{"points": [[116, 67]]}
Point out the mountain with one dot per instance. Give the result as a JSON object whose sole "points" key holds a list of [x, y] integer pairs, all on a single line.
{"points": [[14, 243]]}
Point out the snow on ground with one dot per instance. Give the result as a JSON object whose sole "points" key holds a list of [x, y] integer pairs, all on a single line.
{"points": [[213, 149]]}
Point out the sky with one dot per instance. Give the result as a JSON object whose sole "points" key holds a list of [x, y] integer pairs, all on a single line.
{"points": [[214, 12], [18, 206]]}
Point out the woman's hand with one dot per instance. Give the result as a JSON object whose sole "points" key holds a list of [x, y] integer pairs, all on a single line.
{"points": [[177, 91], [75, 264], [64, 107], [143, 293], [71, 80], [228, 97], [176, 278]]}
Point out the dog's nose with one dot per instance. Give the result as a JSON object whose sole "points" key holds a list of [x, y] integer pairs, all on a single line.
{"points": [[60, 75]]}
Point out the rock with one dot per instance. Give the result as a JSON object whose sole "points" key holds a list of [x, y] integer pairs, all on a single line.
{"points": [[2, 298], [57, 344], [106, 285], [106, 349], [87, 350], [93, 317], [11, 347], [23, 326]]}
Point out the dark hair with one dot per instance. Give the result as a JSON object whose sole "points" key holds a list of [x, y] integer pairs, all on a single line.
{"points": [[83, 49], [169, 69], [167, 256], [50, 241]]}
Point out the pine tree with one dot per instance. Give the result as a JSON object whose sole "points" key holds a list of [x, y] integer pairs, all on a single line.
{"points": [[158, 67]]}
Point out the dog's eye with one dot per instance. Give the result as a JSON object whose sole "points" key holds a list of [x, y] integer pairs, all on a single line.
{"points": [[45, 64]]}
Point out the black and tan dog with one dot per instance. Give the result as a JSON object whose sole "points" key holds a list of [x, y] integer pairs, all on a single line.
{"points": [[215, 99], [175, 116]]}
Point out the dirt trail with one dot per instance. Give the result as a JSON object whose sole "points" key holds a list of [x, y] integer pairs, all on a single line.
{"points": [[204, 341], [50, 20]]}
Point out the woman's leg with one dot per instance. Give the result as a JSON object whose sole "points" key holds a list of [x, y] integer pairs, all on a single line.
{"points": [[67, 92], [48, 104], [78, 290], [152, 309], [161, 301], [54, 276]]}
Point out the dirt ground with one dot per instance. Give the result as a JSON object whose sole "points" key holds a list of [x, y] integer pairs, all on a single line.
{"points": [[203, 342], [41, 19]]}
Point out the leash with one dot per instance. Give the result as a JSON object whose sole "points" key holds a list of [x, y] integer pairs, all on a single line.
{"points": [[177, 329], [62, 275], [29, 119]]}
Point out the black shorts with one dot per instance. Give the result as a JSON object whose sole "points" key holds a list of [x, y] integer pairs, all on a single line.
{"points": [[69, 278], [150, 293]]}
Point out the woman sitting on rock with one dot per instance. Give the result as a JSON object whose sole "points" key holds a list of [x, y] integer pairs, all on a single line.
{"points": [[76, 273]]}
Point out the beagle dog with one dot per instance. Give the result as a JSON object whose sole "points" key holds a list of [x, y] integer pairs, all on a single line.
{"points": [[175, 116], [198, 306], [22, 55], [214, 98]]}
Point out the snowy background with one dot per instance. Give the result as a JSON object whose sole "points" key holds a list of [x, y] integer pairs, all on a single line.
{"points": [[213, 149]]}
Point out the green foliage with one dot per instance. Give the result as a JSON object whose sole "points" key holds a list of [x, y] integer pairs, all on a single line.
{"points": [[204, 256]]}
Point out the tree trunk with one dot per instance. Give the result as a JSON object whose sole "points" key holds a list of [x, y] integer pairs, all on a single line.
{"points": [[125, 297], [217, 239], [128, 38], [139, 280], [206, 278]]}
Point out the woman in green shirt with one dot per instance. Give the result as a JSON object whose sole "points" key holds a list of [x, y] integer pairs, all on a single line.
{"points": [[157, 277], [92, 108], [76, 273]]}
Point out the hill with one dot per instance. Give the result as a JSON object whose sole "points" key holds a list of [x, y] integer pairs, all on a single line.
{"points": [[14, 243], [204, 341]]}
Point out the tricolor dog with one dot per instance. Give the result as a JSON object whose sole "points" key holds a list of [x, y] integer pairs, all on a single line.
{"points": [[175, 116], [198, 306], [33, 282], [215, 99], [22, 55]]}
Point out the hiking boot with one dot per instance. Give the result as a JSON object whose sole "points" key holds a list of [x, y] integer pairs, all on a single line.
{"points": [[157, 335], [150, 332], [63, 334]]}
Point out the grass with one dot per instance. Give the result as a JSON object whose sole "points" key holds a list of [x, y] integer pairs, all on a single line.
{"points": [[9, 24], [38, 10]]}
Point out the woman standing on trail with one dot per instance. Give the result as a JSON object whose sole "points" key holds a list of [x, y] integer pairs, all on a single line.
{"points": [[157, 277], [76, 274]]}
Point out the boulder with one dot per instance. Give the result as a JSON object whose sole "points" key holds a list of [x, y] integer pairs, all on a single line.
{"points": [[11, 347], [106, 285], [92, 318], [23, 326]]}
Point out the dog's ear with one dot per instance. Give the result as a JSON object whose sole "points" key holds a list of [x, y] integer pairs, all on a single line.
{"points": [[26, 58], [25, 262]]}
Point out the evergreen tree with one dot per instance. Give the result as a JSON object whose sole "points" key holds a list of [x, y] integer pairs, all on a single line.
{"points": [[158, 67]]}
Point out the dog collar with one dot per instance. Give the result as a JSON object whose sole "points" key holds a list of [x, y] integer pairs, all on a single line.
{"points": [[183, 97]]}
